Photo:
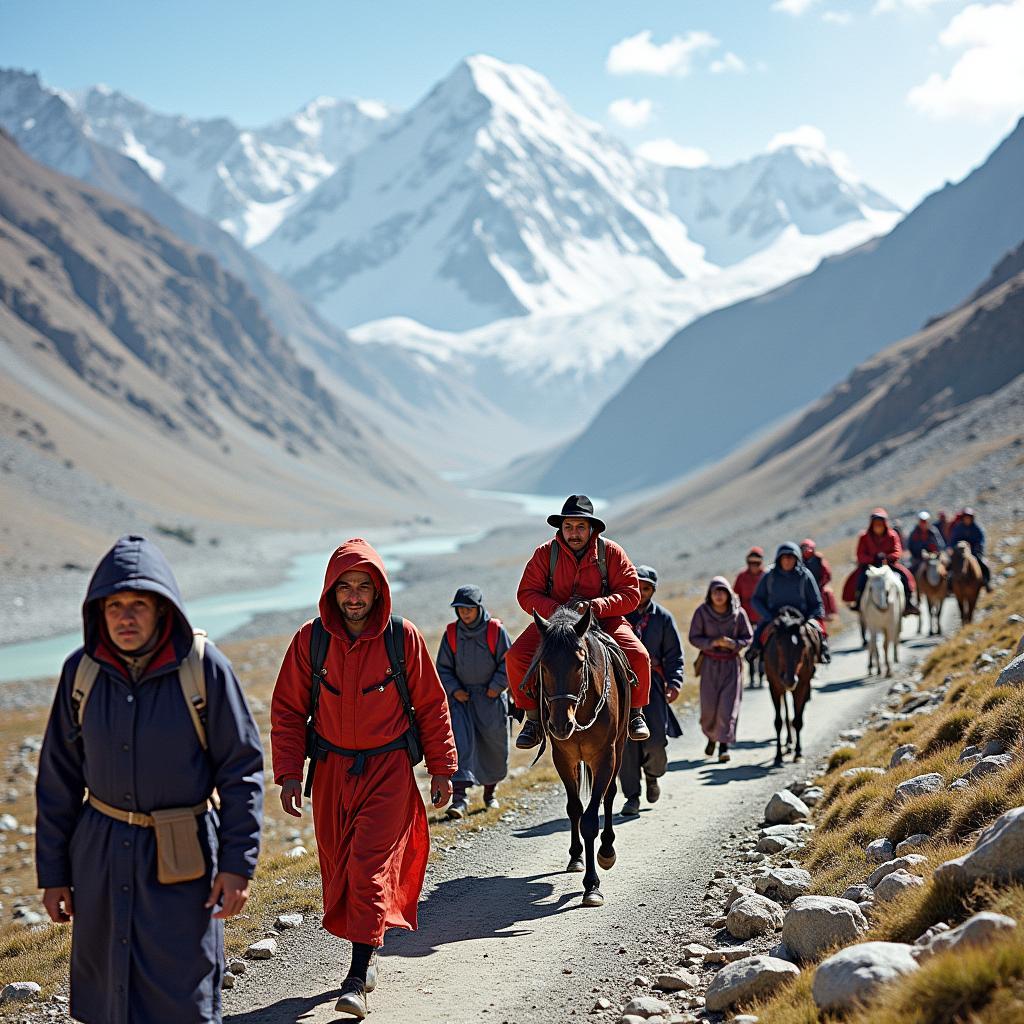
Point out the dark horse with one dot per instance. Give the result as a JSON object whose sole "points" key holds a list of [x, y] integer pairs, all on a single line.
{"points": [[584, 710], [790, 656]]}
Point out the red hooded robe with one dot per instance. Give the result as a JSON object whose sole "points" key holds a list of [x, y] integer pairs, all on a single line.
{"points": [[371, 829]]}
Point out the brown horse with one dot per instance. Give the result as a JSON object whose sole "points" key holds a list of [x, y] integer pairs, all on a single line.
{"points": [[583, 690], [966, 579], [790, 658], [933, 585]]}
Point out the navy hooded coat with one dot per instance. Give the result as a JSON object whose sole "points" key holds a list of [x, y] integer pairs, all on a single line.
{"points": [[144, 952]]}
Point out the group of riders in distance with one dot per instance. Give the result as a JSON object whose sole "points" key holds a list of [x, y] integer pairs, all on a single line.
{"points": [[150, 791]]}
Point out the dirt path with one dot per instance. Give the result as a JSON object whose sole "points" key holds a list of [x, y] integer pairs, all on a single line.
{"points": [[502, 934]]}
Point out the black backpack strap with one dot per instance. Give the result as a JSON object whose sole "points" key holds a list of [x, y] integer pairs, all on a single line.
{"points": [[394, 642], [552, 562], [602, 564], [319, 642]]}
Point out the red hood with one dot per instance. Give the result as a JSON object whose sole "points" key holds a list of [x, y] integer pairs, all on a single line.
{"points": [[359, 556]]}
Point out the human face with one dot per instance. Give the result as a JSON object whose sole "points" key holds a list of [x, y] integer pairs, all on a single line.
{"points": [[468, 615], [755, 563], [806, 550], [878, 526], [131, 617], [787, 563], [967, 520], [576, 533], [646, 593], [719, 599], [355, 594]]}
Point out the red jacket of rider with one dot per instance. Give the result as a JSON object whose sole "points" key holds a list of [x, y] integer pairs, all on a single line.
{"points": [[744, 587], [871, 544]]}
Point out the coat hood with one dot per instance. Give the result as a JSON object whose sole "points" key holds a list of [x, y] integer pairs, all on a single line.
{"points": [[789, 548], [355, 555], [721, 581], [134, 563]]}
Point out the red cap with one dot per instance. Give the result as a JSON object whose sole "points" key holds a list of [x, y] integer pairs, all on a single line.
{"points": [[880, 513], [756, 551], [807, 543]]}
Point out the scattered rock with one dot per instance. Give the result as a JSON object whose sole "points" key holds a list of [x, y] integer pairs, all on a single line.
{"points": [[262, 950], [676, 981], [775, 844], [297, 851], [1013, 674], [911, 860], [812, 796], [601, 1005], [228, 981], [913, 842], [754, 977], [992, 748], [936, 929], [27, 917], [958, 784], [903, 754], [989, 766], [784, 809], [735, 893], [727, 954], [237, 966], [879, 851], [815, 924], [975, 931], [859, 893], [851, 735], [19, 992], [919, 785], [696, 950], [646, 1006], [641, 981], [288, 921], [783, 883], [895, 883], [8, 823], [751, 916], [970, 753], [853, 974], [998, 854], [796, 831]]}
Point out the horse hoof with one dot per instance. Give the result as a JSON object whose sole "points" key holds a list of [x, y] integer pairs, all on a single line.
{"points": [[798, 759], [607, 863], [778, 761], [593, 898], [576, 866]]}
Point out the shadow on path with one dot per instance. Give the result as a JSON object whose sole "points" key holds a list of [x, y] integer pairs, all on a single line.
{"points": [[285, 1011]]}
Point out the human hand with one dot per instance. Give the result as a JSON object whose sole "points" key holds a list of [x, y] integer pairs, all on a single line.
{"points": [[440, 790], [57, 903], [672, 694], [461, 695], [231, 891], [291, 797], [493, 693]]}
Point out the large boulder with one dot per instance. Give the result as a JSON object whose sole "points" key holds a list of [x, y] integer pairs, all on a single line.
{"points": [[1013, 674], [914, 842], [783, 883], [910, 860], [755, 977], [895, 884], [975, 931], [998, 854], [751, 916], [817, 923], [989, 766], [854, 974], [879, 850], [735, 893], [784, 809], [919, 785]]}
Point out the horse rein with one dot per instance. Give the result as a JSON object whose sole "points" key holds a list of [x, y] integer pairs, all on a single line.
{"points": [[578, 698]]}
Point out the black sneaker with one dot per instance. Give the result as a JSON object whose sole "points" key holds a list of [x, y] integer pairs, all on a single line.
{"points": [[723, 754], [631, 808], [352, 999], [529, 736], [638, 730], [710, 748], [490, 800]]}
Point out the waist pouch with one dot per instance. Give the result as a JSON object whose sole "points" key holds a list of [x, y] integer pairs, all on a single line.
{"points": [[179, 855]]}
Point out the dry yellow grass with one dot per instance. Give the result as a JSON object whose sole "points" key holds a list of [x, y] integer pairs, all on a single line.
{"points": [[984, 986]]}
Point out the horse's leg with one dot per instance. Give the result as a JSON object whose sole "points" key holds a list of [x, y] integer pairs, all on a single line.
{"points": [[778, 721], [803, 690], [568, 773], [789, 725], [590, 826], [606, 853]]}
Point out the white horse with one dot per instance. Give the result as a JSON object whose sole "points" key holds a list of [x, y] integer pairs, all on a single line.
{"points": [[881, 613]]}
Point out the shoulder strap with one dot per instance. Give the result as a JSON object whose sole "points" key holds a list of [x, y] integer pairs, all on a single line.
{"points": [[452, 633], [85, 677], [493, 632], [319, 642], [552, 562], [394, 641], [768, 587], [602, 564], [192, 678]]}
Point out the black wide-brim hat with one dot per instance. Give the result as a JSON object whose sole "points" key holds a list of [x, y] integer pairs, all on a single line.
{"points": [[577, 506]]}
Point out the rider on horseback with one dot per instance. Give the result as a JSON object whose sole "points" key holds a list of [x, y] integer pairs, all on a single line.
{"points": [[579, 565], [880, 542], [965, 528], [924, 537], [789, 584]]}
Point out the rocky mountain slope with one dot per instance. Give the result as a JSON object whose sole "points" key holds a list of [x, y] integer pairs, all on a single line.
{"points": [[740, 369]]}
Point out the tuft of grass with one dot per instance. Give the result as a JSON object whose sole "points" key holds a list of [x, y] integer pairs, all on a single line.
{"points": [[840, 757], [952, 729]]}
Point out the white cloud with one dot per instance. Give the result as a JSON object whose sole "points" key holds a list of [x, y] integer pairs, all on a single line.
{"points": [[641, 56], [988, 76], [730, 62], [672, 154], [631, 113], [806, 135], [840, 18], [794, 7], [886, 6]]}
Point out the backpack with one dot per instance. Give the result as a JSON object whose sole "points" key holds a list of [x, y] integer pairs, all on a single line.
{"points": [[190, 676], [602, 565], [319, 642], [493, 632]]}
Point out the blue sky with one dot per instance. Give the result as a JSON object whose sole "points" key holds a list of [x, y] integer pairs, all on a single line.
{"points": [[913, 92]]}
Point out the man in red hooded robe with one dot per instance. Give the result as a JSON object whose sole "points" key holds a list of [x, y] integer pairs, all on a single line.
{"points": [[371, 825]]}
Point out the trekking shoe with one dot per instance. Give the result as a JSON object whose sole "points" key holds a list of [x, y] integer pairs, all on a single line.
{"points": [[826, 654], [653, 790], [631, 808], [638, 730], [371, 973], [490, 800], [352, 999], [723, 754], [710, 748], [529, 736], [458, 809]]}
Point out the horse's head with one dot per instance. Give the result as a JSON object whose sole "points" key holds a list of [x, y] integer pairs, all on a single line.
{"points": [[934, 568], [877, 585], [789, 626], [562, 666]]}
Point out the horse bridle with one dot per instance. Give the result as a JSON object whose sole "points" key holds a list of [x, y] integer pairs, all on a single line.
{"points": [[578, 698]]}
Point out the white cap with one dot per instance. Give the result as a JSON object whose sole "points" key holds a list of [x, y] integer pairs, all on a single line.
{"points": [[923, 516]]}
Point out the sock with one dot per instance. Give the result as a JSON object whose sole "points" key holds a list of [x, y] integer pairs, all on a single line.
{"points": [[361, 953]]}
